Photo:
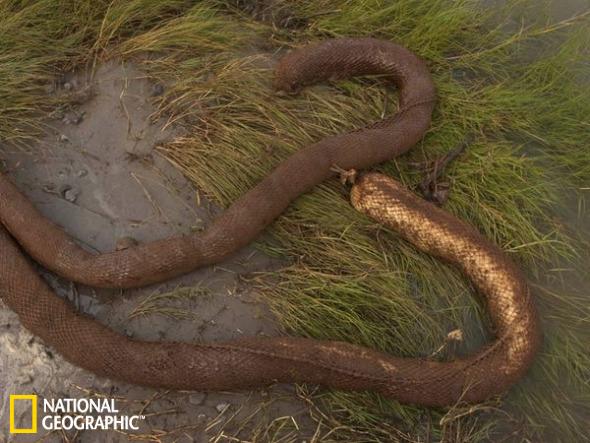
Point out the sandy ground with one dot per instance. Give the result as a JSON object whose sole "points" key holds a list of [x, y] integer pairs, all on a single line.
{"points": [[98, 174]]}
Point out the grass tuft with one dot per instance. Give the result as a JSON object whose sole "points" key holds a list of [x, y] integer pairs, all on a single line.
{"points": [[164, 303]]}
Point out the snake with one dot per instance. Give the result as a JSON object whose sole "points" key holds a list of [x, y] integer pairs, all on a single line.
{"points": [[253, 362]]}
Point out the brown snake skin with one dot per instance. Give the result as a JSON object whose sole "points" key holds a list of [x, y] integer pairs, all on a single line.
{"points": [[253, 362]]}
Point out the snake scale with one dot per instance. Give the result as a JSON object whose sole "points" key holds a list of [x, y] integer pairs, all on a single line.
{"points": [[253, 362]]}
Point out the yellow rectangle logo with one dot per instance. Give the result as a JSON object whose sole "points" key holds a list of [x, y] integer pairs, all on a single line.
{"points": [[33, 399]]}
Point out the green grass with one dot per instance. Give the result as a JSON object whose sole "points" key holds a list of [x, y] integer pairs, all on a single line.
{"points": [[516, 88]]}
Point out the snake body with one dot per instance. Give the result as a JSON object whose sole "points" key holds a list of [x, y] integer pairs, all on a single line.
{"points": [[253, 362]]}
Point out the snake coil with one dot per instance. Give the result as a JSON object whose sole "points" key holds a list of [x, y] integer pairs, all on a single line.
{"points": [[252, 362]]}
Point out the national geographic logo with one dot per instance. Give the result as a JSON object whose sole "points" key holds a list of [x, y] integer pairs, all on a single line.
{"points": [[65, 414], [14, 399]]}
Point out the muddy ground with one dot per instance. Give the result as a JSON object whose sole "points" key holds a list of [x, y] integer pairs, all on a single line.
{"points": [[98, 174]]}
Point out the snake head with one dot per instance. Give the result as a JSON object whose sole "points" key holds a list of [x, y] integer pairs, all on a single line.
{"points": [[289, 79]]}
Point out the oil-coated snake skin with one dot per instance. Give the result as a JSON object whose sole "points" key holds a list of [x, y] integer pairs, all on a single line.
{"points": [[253, 362]]}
